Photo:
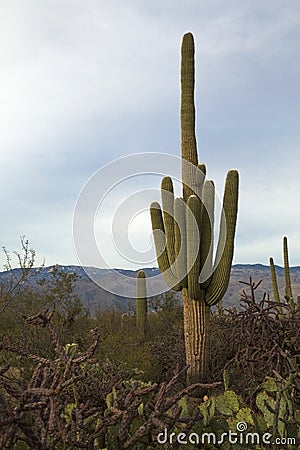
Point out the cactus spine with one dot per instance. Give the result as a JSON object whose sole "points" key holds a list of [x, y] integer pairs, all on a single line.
{"points": [[141, 303], [183, 231]]}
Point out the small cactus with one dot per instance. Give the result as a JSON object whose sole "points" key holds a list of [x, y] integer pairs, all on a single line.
{"points": [[275, 402], [228, 403], [228, 406]]}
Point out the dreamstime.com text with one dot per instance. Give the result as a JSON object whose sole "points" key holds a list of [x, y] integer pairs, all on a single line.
{"points": [[239, 437]]}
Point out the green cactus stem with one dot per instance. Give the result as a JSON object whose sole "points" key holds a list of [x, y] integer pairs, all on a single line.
{"points": [[275, 287], [274, 281], [141, 303], [188, 114], [183, 230], [288, 294], [288, 288]]}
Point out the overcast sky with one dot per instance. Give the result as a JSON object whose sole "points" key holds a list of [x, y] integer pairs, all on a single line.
{"points": [[86, 82]]}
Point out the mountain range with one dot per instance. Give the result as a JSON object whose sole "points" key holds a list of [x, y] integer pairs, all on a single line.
{"points": [[112, 288]]}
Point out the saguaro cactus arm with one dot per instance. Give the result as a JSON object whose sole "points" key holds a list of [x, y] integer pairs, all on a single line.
{"points": [[159, 234], [207, 233], [224, 255], [180, 241], [167, 197], [193, 242]]}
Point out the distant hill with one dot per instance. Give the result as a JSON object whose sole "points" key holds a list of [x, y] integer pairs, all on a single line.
{"points": [[94, 297], [243, 272]]}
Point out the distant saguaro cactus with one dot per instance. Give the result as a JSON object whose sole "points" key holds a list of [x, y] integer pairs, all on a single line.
{"points": [[288, 294], [141, 303], [183, 232]]}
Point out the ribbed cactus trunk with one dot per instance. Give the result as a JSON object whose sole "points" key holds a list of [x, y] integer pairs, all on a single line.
{"points": [[183, 232], [141, 303], [196, 335]]}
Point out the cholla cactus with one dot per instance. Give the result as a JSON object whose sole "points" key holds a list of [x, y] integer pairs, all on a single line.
{"points": [[183, 231]]}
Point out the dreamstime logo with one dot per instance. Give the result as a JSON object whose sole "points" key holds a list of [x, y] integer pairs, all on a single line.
{"points": [[241, 426], [111, 217]]}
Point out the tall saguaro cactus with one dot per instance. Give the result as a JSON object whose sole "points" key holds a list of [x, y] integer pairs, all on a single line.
{"points": [[183, 232], [141, 303]]}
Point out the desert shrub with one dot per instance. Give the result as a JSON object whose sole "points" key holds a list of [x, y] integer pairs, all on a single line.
{"points": [[265, 343], [70, 402], [165, 333], [155, 355], [63, 404], [123, 347], [221, 349]]}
